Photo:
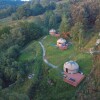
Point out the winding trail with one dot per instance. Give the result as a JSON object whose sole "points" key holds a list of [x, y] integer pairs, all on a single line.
{"points": [[44, 59]]}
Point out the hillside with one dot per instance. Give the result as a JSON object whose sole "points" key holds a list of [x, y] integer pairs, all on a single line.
{"points": [[6, 3], [32, 61]]}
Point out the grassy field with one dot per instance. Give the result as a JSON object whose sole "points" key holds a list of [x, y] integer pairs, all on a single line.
{"points": [[59, 57], [58, 90], [30, 52]]}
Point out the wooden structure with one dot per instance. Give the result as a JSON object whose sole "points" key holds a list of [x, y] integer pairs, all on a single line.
{"points": [[73, 79], [71, 73]]}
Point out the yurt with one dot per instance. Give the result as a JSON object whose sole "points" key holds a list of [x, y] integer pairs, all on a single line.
{"points": [[52, 32], [71, 67], [61, 42]]}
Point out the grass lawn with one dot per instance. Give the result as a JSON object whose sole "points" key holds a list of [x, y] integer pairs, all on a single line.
{"points": [[59, 57], [60, 90], [30, 52]]}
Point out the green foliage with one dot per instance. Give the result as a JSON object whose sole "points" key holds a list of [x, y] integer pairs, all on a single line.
{"points": [[16, 96], [37, 9], [64, 26], [23, 11], [13, 51], [30, 31], [77, 32], [12, 41], [46, 18], [97, 24], [6, 12], [45, 2], [5, 30], [51, 6], [16, 64], [53, 22]]}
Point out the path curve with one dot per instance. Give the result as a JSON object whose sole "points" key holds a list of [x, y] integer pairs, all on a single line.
{"points": [[44, 59]]}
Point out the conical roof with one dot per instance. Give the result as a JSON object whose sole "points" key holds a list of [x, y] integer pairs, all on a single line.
{"points": [[52, 30], [61, 40], [71, 65]]}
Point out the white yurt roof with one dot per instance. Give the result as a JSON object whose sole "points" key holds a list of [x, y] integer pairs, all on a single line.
{"points": [[61, 40], [52, 30], [71, 65]]}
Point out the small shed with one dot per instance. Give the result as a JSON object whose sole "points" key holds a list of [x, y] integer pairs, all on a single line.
{"points": [[71, 67], [52, 32], [61, 42]]}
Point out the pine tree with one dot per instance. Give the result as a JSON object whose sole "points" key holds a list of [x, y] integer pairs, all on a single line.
{"points": [[52, 22], [64, 27]]}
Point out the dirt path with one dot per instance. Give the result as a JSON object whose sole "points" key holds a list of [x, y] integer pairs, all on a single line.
{"points": [[44, 59]]}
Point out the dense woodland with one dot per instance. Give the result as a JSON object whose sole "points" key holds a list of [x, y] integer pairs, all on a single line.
{"points": [[7, 7], [79, 17]]}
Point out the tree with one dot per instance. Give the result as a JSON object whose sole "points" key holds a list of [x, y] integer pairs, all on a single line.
{"points": [[53, 22], [45, 2], [97, 23], [81, 33], [5, 30], [46, 18], [23, 11], [16, 96], [38, 21], [77, 33], [51, 6], [64, 26], [37, 9], [30, 31]]}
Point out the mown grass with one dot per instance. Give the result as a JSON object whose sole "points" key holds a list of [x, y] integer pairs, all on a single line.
{"points": [[30, 52], [59, 57], [60, 90]]}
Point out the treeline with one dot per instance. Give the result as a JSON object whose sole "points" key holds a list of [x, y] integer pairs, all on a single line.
{"points": [[80, 18], [12, 40], [5, 3], [7, 7], [7, 12], [32, 9]]}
